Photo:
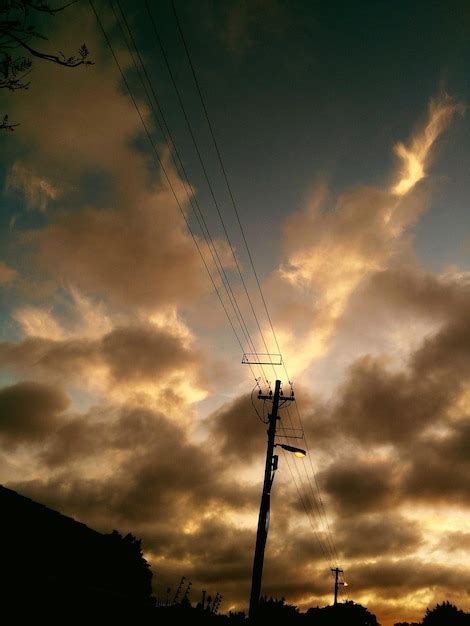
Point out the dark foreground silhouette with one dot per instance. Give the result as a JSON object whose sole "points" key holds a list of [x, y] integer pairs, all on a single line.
{"points": [[57, 570], [54, 567], [275, 612]]}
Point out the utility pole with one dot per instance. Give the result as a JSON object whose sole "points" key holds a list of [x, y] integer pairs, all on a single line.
{"points": [[186, 593], [263, 520], [216, 605], [178, 591], [337, 571]]}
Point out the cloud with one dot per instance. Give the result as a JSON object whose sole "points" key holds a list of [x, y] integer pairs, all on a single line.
{"points": [[415, 157], [144, 353], [411, 291], [378, 405], [380, 533], [236, 430], [7, 274], [29, 411], [387, 400], [86, 125], [38, 191], [357, 485], [455, 542], [137, 357], [131, 467], [393, 576], [119, 232], [148, 258], [436, 472], [332, 245], [445, 355], [39, 323]]}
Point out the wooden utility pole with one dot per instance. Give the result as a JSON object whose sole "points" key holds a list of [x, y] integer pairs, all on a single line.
{"points": [[337, 571], [263, 520]]}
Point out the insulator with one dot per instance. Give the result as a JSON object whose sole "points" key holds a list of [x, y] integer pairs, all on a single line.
{"points": [[270, 392], [281, 393]]}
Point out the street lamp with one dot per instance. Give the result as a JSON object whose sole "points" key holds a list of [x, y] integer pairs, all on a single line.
{"points": [[298, 452], [263, 519]]}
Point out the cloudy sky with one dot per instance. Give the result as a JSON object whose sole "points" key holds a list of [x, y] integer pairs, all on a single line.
{"points": [[123, 402]]}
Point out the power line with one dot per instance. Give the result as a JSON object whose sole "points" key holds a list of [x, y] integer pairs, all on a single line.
{"points": [[301, 498], [211, 247], [173, 150], [234, 204], [165, 173], [202, 162], [313, 501], [317, 486], [224, 172]]}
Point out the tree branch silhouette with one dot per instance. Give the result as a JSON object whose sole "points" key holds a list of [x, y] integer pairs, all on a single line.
{"points": [[16, 33]]}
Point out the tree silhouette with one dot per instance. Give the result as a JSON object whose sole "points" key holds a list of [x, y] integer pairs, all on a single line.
{"points": [[274, 611], [19, 39], [446, 614], [348, 613], [131, 572]]}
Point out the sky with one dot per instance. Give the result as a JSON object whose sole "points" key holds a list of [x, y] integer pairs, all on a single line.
{"points": [[344, 134]]}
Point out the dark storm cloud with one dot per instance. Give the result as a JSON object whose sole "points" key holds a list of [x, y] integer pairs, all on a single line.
{"points": [[144, 353], [391, 576], [237, 428], [438, 471], [305, 548], [29, 411], [446, 355], [411, 290], [160, 476], [131, 353], [213, 540], [381, 533], [379, 405], [356, 485]]}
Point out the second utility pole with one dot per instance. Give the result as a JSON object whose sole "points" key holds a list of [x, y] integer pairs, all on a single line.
{"points": [[263, 520], [337, 571]]}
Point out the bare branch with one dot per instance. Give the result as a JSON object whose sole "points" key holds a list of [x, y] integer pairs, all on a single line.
{"points": [[42, 7], [17, 32], [61, 60], [47, 9]]}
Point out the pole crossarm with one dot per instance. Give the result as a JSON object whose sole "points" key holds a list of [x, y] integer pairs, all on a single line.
{"points": [[282, 398], [261, 358]]}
